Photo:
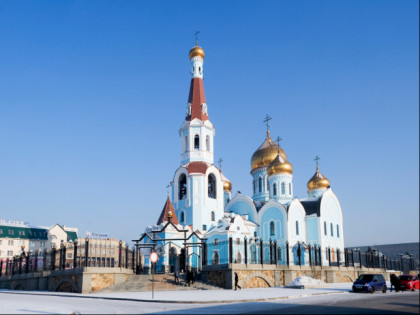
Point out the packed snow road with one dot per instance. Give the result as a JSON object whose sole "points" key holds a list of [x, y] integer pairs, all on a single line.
{"points": [[23, 302]]}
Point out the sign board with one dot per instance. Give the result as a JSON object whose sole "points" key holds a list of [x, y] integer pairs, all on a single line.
{"points": [[153, 257]]}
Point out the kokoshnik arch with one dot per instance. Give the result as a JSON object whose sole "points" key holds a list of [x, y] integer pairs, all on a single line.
{"points": [[200, 201]]}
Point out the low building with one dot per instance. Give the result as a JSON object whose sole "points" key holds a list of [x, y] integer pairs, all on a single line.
{"points": [[16, 236]]}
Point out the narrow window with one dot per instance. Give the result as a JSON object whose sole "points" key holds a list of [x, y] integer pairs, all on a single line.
{"points": [[297, 228], [186, 143], [275, 189], [272, 228], [279, 253], [260, 185], [204, 227], [182, 186], [197, 142], [290, 189], [208, 143], [283, 188], [216, 241], [338, 231], [332, 231], [212, 186], [182, 217], [325, 228], [213, 216]]}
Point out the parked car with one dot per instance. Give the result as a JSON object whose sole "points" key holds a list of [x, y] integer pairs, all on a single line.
{"points": [[409, 282], [370, 283]]}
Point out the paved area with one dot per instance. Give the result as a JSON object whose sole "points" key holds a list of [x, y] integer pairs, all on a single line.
{"points": [[338, 301]]}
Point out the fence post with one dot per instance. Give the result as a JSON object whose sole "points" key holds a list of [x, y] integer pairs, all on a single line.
{"points": [[64, 256], [36, 262], [262, 252], [27, 263], [310, 255], [271, 252], [75, 254], [287, 253], [298, 253], [275, 252], [119, 254], [316, 255], [204, 253], [1, 267], [329, 256], [126, 256], [230, 250], [246, 250], [133, 253], [86, 251], [60, 261]]}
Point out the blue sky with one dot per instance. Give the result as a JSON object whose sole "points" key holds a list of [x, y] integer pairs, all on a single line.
{"points": [[92, 94]]}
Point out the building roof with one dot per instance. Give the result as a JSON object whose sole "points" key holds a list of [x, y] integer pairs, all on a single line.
{"points": [[196, 98], [197, 167], [312, 206], [164, 214], [22, 232]]}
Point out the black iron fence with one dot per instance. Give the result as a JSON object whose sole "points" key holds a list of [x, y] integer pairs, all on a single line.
{"points": [[70, 256]]}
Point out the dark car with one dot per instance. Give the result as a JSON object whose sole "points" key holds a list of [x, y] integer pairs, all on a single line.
{"points": [[370, 283]]}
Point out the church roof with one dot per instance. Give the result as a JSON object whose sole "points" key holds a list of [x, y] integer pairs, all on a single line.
{"points": [[164, 214], [312, 206], [197, 167], [196, 98]]}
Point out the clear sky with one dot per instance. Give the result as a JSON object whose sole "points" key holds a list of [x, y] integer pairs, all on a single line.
{"points": [[92, 94]]}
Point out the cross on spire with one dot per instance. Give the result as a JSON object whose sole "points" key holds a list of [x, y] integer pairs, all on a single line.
{"points": [[266, 120], [220, 163], [278, 140], [167, 188], [196, 37], [316, 159]]}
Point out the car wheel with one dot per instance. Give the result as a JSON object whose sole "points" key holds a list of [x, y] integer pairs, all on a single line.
{"points": [[384, 289], [371, 290]]}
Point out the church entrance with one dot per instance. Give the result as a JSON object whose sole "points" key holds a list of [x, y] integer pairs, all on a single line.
{"points": [[182, 260]]}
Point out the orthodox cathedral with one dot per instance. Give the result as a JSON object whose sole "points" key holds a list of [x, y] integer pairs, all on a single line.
{"points": [[200, 202]]}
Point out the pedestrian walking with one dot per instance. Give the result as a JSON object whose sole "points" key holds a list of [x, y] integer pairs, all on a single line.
{"points": [[188, 276], [236, 281], [193, 276], [176, 276]]}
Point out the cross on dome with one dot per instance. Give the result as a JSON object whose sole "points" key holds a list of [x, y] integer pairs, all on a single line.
{"points": [[266, 120]]}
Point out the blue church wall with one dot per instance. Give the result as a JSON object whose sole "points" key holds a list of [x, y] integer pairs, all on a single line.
{"points": [[275, 215], [312, 224], [222, 248]]}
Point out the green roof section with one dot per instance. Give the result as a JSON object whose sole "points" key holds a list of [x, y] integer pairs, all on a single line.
{"points": [[23, 232], [71, 236]]}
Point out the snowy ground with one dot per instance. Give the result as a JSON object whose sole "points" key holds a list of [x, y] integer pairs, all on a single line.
{"points": [[224, 301]]}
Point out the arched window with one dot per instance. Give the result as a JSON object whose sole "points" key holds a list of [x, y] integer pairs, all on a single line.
{"points": [[297, 227], [274, 189], [197, 142], [186, 143], [279, 253], [213, 216], [260, 185], [325, 228], [182, 186], [182, 217], [208, 143], [272, 231], [212, 186], [332, 231], [338, 231], [290, 189], [215, 258], [283, 188]]}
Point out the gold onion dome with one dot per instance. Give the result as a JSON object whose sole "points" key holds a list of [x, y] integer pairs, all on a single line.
{"points": [[227, 186], [266, 153], [279, 166], [318, 181], [196, 51]]}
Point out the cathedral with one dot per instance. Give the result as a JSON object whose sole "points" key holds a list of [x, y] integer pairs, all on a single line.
{"points": [[200, 203]]}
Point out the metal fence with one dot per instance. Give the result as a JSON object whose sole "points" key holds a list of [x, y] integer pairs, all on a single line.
{"points": [[70, 256]]}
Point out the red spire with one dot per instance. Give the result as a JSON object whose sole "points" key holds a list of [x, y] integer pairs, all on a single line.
{"points": [[196, 99], [164, 214]]}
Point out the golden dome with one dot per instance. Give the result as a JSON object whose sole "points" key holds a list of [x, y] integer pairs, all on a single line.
{"points": [[266, 153], [318, 181], [279, 166], [227, 186], [197, 51]]}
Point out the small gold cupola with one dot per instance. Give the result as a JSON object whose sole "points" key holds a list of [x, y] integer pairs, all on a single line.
{"points": [[318, 181], [196, 51]]}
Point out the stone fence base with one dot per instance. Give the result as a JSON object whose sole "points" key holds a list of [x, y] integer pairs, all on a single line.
{"points": [[79, 280], [259, 276]]}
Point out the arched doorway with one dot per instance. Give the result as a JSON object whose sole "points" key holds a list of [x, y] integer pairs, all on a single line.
{"points": [[172, 259]]}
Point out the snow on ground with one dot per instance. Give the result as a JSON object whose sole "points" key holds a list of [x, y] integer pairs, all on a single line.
{"points": [[305, 281], [31, 302]]}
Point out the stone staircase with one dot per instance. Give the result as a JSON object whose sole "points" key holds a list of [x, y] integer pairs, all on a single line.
{"points": [[162, 282]]}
